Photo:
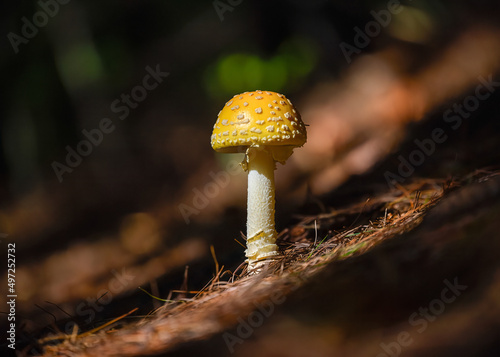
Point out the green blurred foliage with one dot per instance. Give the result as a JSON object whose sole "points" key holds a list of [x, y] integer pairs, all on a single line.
{"points": [[243, 71]]}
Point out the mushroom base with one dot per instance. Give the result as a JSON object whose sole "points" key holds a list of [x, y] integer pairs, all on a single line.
{"points": [[261, 246]]}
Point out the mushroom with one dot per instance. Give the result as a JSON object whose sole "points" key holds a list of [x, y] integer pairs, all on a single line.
{"points": [[267, 127]]}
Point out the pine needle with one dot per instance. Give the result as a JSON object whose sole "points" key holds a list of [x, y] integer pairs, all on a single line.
{"points": [[312, 251], [154, 297], [212, 250]]}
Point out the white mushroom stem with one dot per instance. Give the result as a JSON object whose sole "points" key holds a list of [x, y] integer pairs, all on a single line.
{"points": [[261, 234]]}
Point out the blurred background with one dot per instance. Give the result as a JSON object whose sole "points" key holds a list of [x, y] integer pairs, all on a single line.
{"points": [[107, 178]]}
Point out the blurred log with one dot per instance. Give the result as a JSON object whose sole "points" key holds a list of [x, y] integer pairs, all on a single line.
{"points": [[357, 121]]}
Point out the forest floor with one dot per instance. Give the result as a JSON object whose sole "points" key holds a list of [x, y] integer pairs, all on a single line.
{"points": [[402, 247]]}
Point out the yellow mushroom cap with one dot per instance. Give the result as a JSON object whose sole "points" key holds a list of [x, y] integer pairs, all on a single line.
{"points": [[256, 119]]}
